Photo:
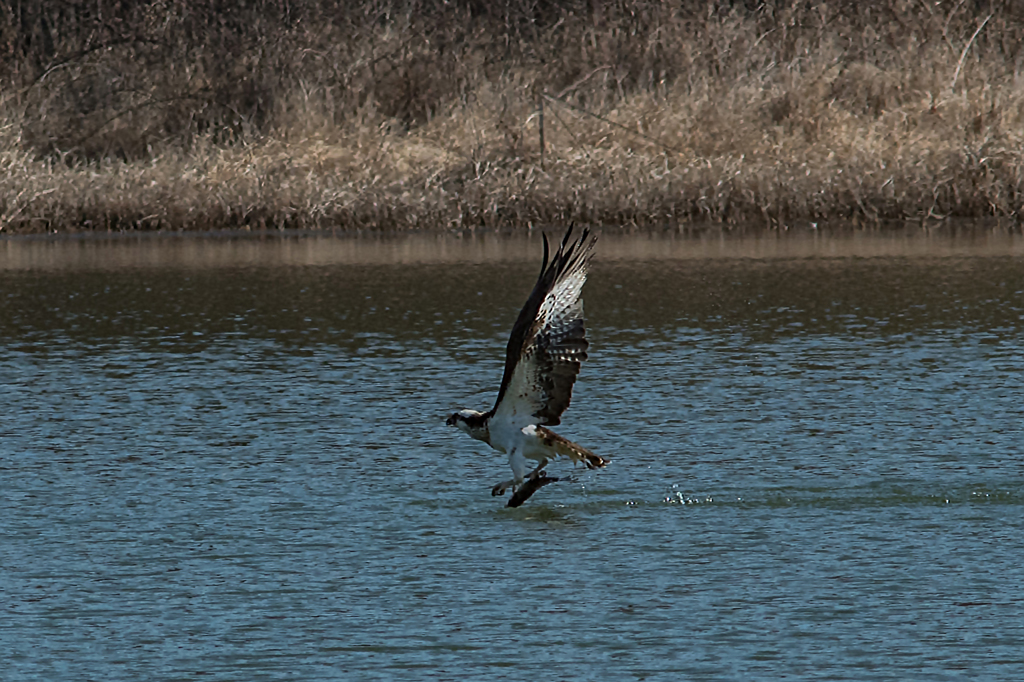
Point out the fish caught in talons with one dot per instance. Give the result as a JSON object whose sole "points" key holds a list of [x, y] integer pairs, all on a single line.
{"points": [[531, 485]]}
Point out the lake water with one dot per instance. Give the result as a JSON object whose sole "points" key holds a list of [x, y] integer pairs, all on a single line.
{"points": [[225, 459]]}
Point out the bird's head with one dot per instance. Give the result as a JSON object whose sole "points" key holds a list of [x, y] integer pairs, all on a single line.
{"points": [[472, 422], [463, 418]]}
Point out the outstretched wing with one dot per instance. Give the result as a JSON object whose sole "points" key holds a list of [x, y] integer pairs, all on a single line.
{"points": [[548, 341]]}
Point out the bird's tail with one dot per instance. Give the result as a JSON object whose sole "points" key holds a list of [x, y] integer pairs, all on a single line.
{"points": [[578, 453]]}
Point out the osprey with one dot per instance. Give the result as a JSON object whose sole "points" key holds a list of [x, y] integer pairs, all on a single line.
{"points": [[547, 345]]}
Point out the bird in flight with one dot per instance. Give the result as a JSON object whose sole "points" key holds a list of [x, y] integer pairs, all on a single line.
{"points": [[547, 345]]}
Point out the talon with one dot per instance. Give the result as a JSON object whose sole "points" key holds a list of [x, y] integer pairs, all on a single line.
{"points": [[498, 490]]}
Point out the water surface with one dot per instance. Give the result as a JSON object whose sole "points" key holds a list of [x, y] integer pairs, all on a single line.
{"points": [[226, 459]]}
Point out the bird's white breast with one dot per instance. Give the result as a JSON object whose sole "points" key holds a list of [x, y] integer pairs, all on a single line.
{"points": [[507, 436]]}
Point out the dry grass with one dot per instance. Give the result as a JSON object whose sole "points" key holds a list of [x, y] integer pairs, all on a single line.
{"points": [[390, 116]]}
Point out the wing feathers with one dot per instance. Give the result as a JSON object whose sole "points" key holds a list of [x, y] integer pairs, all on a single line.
{"points": [[548, 341]]}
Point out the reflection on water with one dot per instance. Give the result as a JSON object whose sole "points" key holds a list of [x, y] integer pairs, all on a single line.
{"points": [[232, 250], [226, 458]]}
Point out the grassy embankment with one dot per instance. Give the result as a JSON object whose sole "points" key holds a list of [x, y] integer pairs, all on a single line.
{"points": [[377, 115]]}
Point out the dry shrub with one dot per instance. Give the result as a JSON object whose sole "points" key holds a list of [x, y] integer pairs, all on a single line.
{"points": [[394, 115]]}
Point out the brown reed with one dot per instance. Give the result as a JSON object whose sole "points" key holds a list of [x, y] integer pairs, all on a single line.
{"points": [[311, 114]]}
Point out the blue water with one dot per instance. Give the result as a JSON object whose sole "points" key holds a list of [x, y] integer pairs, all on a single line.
{"points": [[236, 467]]}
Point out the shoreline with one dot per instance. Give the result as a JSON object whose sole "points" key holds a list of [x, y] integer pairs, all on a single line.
{"points": [[950, 228]]}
